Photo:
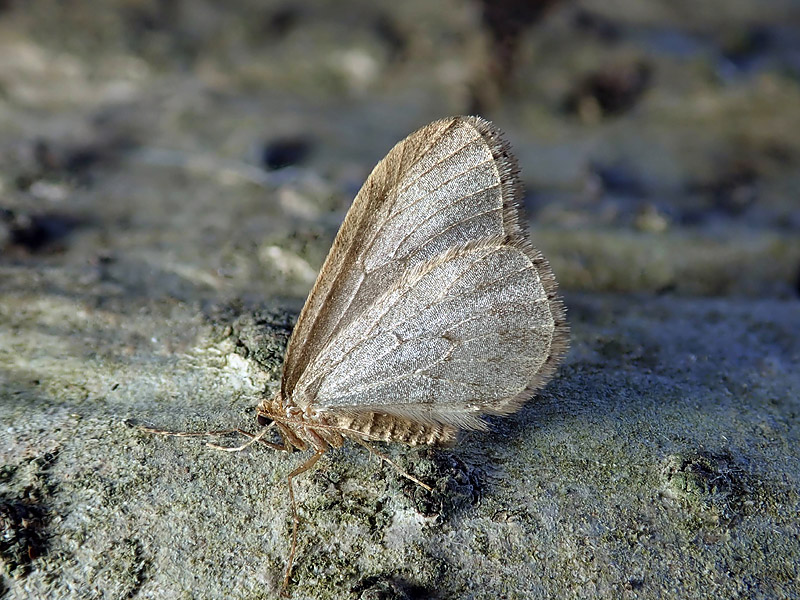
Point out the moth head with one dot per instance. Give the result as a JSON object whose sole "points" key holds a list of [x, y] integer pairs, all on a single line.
{"points": [[268, 408]]}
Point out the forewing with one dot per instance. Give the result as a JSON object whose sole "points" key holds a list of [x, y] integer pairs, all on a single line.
{"points": [[442, 187], [466, 333]]}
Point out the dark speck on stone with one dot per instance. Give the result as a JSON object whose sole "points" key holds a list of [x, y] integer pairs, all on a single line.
{"points": [[392, 36], [283, 20], [615, 89], [285, 152], [35, 233], [379, 588], [797, 282], [596, 25], [619, 179]]}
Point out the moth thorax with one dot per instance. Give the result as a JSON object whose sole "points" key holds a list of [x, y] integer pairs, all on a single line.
{"points": [[271, 406], [293, 412]]}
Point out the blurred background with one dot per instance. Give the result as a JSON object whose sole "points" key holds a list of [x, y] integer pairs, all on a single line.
{"points": [[199, 149], [172, 173]]}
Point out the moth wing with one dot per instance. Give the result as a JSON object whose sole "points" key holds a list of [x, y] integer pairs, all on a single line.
{"points": [[472, 331], [447, 184]]}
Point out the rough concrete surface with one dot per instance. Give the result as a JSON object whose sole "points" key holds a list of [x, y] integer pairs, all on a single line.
{"points": [[171, 177]]}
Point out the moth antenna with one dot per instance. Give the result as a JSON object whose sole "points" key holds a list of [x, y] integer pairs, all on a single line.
{"points": [[295, 520], [220, 432], [166, 432], [385, 458]]}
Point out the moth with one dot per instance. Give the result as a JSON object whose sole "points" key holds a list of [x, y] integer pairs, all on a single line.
{"points": [[431, 310]]}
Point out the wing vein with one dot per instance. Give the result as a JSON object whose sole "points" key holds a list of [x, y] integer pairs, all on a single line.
{"points": [[459, 222], [438, 162], [428, 193], [440, 210], [372, 334]]}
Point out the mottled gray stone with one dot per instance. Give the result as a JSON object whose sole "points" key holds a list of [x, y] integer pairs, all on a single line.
{"points": [[150, 273]]}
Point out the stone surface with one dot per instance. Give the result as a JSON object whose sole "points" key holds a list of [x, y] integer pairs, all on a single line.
{"points": [[151, 271]]}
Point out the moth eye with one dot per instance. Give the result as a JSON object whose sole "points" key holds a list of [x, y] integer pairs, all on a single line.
{"points": [[262, 420]]}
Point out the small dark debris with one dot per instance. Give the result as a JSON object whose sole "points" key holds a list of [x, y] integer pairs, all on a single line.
{"points": [[160, 16], [393, 37], [7, 473], [635, 584], [285, 152], [780, 153], [456, 484], [713, 486], [22, 538], [747, 47], [733, 190], [36, 233], [44, 156], [78, 159], [380, 587], [596, 25], [505, 21], [610, 91], [797, 282], [619, 179], [260, 335], [281, 21]]}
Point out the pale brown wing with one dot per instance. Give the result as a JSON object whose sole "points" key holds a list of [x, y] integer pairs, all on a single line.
{"points": [[468, 333], [445, 186]]}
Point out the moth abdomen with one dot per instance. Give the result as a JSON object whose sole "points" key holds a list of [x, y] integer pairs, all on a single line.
{"points": [[382, 427]]}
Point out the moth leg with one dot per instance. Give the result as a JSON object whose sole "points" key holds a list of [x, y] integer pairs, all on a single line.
{"points": [[290, 440], [295, 520], [385, 458], [253, 439]]}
